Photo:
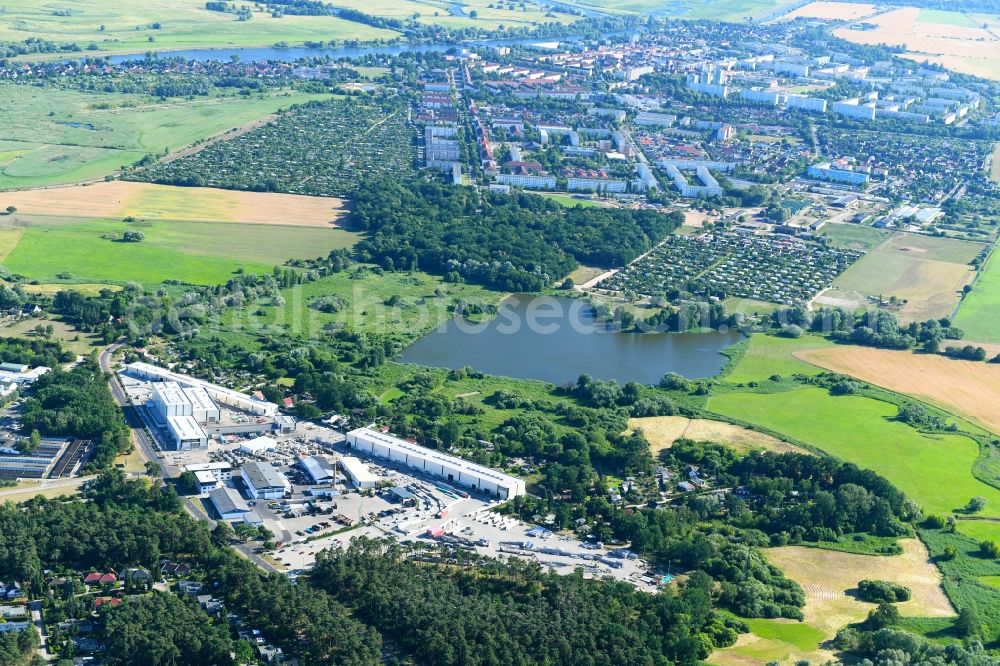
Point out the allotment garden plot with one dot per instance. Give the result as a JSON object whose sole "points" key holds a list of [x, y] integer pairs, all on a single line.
{"points": [[764, 268], [320, 149]]}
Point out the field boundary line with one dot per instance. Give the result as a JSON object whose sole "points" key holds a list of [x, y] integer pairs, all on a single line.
{"points": [[975, 281]]}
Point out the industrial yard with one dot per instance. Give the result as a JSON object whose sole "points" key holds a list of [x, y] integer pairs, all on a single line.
{"points": [[312, 487]]}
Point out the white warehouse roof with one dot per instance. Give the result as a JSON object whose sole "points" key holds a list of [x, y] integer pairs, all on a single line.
{"points": [[436, 463], [185, 428], [226, 396], [198, 396], [358, 471], [208, 467], [318, 469], [258, 444], [171, 394], [205, 477]]}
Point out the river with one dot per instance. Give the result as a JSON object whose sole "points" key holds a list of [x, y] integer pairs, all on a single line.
{"points": [[556, 339]]}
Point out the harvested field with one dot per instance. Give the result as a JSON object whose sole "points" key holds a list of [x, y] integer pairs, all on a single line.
{"points": [[828, 577], [663, 431], [939, 37], [85, 288], [9, 238], [927, 273], [967, 388], [831, 11], [986, 68], [696, 218], [119, 199]]}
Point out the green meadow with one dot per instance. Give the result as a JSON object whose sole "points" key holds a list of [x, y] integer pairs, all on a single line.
{"points": [[50, 136], [977, 315], [767, 355], [568, 200], [799, 636], [400, 305], [958, 19], [109, 26], [114, 26], [91, 250], [981, 530], [933, 469], [855, 236]]}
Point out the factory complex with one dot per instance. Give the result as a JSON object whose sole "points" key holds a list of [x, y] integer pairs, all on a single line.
{"points": [[189, 411]]}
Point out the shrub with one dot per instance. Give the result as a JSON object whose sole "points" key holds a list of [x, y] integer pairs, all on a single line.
{"points": [[882, 591]]}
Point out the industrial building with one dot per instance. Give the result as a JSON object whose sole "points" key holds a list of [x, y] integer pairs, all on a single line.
{"points": [[228, 504], [15, 375], [186, 433], [180, 410], [222, 471], [264, 482], [220, 394], [319, 470], [203, 408], [169, 400], [438, 464], [357, 473], [258, 445], [207, 482], [52, 458]]}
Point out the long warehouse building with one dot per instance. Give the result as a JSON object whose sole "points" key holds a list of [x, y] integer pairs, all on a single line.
{"points": [[219, 394], [452, 469]]}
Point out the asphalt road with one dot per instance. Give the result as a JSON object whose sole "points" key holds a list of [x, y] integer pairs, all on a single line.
{"points": [[35, 607]]}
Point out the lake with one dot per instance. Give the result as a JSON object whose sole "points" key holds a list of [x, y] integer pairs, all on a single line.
{"points": [[556, 339]]}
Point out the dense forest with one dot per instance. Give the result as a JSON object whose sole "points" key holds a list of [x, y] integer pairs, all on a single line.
{"points": [[484, 612], [874, 328], [518, 242], [513, 614], [777, 499], [36, 351], [78, 403]]}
